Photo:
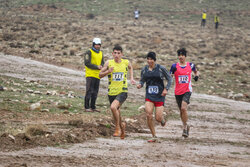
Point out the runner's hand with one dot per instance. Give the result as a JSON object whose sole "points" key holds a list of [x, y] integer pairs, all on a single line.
{"points": [[196, 78], [110, 69], [133, 82], [138, 86], [164, 92]]}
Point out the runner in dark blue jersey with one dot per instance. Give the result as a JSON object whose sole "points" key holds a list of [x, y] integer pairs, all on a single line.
{"points": [[154, 75]]}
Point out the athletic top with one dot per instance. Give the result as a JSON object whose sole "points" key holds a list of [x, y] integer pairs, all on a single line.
{"points": [[155, 82], [183, 76], [118, 78], [216, 19], [92, 60], [204, 16]]}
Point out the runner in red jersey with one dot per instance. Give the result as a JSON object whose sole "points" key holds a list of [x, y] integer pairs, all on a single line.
{"points": [[182, 72]]}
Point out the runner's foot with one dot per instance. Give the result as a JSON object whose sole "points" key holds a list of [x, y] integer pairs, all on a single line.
{"points": [[123, 130], [117, 133], [186, 132], [153, 140], [164, 120]]}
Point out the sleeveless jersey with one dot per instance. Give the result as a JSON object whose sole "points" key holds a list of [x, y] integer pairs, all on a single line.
{"points": [[183, 79], [154, 84], [96, 58], [118, 78], [204, 16]]}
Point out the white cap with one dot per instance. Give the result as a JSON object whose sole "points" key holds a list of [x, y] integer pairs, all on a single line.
{"points": [[97, 41]]}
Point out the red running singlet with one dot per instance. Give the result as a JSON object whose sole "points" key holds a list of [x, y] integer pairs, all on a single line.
{"points": [[183, 79]]}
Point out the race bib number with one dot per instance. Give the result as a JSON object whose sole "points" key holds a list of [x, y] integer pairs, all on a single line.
{"points": [[118, 76], [183, 79], [153, 90]]}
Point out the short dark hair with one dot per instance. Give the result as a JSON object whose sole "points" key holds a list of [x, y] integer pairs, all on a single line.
{"points": [[182, 51], [151, 55], [117, 47]]}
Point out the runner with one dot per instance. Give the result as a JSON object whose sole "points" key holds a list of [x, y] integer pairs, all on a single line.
{"points": [[154, 75], [183, 87], [117, 69], [203, 18], [137, 14]]}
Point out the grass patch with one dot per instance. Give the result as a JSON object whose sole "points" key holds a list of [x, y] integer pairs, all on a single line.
{"points": [[20, 95], [235, 153], [241, 120]]}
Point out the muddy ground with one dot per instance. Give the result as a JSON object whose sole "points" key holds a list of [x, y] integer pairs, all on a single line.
{"points": [[219, 133]]}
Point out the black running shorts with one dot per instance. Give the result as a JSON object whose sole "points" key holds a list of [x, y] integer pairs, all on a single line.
{"points": [[184, 97], [120, 97]]}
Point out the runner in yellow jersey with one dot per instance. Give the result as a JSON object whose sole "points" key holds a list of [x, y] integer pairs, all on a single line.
{"points": [[117, 70], [203, 18]]}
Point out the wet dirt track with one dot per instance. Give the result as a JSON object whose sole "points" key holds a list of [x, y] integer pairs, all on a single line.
{"points": [[219, 135]]}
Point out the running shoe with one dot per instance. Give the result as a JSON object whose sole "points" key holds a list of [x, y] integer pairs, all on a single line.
{"points": [[186, 132], [153, 140], [164, 120]]}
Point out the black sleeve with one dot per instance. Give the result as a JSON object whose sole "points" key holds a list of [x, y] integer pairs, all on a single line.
{"points": [[102, 63], [87, 60], [143, 79], [167, 75]]}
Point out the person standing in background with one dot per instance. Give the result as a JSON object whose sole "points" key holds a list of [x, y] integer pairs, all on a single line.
{"points": [[93, 60], [137, 14], [203, 18], [216, 21]]}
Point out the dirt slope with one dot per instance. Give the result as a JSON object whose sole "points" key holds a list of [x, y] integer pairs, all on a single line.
{"points": [[220, 131]]}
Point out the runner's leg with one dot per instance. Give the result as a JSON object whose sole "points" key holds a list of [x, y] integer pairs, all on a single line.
{"points": [[117, 117], [149, 108], [184, 116], [159, 114]]}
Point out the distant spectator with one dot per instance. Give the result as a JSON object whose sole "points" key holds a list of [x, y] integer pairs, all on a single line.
{"points": [[216, 21], [137, 14], [203, 18]]}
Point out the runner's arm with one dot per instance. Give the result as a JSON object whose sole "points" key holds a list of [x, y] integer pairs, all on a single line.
{"points": [[196, 72], [167, 75], [105, 70], [143, 79], [172, 70], [130, 67]]}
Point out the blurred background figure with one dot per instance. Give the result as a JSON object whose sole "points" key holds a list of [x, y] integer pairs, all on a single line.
{"points": [[216, 21], [137, 13], [203, 18]]}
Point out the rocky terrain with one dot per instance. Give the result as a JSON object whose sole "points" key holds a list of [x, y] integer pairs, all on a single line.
{"points": [[42, 84], [59, 36]]}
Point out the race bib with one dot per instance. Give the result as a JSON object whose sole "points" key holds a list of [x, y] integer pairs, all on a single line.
{"points": [[153, 90], [183, 79], [118, 76]]}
